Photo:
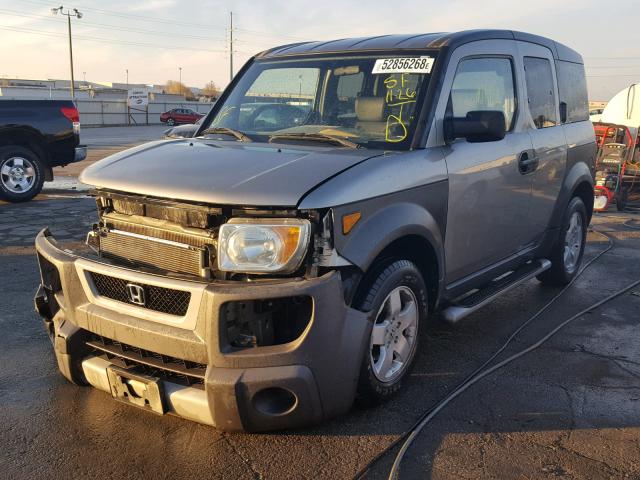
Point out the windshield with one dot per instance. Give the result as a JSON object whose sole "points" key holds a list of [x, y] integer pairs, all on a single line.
{"points": [[371, 101]]}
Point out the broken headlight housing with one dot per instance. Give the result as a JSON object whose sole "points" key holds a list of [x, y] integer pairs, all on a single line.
{"points": [[262, 245]]}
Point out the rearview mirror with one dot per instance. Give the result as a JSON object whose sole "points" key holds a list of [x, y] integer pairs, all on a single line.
{"points": [[477, 126]]}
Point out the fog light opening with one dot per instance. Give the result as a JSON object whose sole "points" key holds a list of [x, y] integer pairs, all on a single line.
{"points": [[274, 401]]}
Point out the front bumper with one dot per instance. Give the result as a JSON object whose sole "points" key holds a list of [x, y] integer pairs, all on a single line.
{"points": [[241, 389]]}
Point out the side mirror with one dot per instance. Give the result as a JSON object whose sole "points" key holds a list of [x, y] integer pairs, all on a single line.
{"points": [[477, 126], [563, 112]]}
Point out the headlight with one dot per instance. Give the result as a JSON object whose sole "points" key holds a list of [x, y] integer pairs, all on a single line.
{"points": [[262, 245]]}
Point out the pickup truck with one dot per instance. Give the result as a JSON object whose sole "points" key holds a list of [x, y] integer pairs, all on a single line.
{"points": [[284, 261], [35, 136]]}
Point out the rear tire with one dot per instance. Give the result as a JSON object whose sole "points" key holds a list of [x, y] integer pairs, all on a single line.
{"points": [[566, 254], [21, 174], [396, 296]]}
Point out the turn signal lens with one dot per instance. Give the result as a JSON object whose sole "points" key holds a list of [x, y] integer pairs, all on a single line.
{"points": [[349, 221]]}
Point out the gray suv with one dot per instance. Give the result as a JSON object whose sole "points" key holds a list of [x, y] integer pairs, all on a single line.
{"points": [[280, 264]]}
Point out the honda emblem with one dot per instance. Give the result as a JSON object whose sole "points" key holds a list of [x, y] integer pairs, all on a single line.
{"points": [[136, 294]]}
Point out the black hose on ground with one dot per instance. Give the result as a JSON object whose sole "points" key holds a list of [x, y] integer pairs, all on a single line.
{"points": [[410, 435], [414, 433]]}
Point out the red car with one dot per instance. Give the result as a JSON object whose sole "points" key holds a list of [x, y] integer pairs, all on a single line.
{"points": [[180, 115]]}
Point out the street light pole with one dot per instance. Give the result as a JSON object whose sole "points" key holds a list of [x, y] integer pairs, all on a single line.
{"points": [[180, 81], [127, 70], [69, 14], [230, 46]]}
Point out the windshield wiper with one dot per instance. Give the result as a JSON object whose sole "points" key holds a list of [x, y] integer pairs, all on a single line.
{"points": [[227, 131], [315, 137]]}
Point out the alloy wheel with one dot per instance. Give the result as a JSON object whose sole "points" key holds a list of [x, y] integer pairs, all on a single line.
{"points": [[18, 175], [573, 242], [394, 334]]}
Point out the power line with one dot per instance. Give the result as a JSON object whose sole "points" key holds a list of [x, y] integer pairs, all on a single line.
{"points": [[111, 26], [104, 40], [142, 18]]}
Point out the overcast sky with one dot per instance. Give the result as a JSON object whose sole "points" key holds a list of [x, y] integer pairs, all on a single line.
{"points": [[152, 38]]}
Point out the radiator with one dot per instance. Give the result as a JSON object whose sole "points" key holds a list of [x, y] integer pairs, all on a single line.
{"points": [[154, 252]]}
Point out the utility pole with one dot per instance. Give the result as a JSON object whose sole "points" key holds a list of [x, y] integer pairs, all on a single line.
{"points": [[180, 82], [230, 46], [69, 14], [127, 71]]}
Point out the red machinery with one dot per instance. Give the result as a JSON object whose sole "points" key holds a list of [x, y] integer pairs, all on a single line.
{"points": [[615, 165]]}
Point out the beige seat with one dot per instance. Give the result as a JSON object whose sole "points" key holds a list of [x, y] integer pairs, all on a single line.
{"points": [[371, 121]]}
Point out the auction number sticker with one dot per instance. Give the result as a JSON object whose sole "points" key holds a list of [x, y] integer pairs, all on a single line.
{"points": [[403, 65]]}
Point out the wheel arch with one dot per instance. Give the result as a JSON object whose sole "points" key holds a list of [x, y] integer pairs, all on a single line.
{"points": [[32, 140], [25, 138], [577, 182], [398, 231]]}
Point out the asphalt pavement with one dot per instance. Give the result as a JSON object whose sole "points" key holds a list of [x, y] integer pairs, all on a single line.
{"points": [[569, 410]]}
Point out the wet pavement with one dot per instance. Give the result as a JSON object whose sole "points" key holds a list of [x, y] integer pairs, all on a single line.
{"points": [[569, 410]]}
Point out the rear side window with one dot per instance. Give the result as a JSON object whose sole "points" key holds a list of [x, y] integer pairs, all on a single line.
{"points": [[540, 91], [572, 85], [483, 84]]}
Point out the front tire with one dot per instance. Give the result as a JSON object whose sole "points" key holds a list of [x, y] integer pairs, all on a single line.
{"points": [[396, 296], [171, 122], [21, 174], [566, 254]]}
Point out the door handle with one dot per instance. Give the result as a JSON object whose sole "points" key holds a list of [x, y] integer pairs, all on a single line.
{"points": [[527, 162]]}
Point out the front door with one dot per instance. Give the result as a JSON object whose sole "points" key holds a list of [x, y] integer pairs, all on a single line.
{"points": [[487, 218], [547, 134]]}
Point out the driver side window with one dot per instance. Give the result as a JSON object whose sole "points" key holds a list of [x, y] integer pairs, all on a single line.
{"points": [[483, 84]]}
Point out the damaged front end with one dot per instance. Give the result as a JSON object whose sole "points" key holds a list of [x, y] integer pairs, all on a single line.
{"points": [[238, 350]]}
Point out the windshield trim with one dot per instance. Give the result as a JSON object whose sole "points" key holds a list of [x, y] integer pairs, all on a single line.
{"points": [[416, 139]]}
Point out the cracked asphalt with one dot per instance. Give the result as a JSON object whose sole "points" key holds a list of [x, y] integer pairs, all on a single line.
{"points": [[569, 410]]}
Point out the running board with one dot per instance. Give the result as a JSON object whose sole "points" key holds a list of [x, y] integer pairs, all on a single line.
{"points": [[495, 288]]}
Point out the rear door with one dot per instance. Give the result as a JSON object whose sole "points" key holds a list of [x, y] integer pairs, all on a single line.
{"points": [[489, 197], [542, 114]]}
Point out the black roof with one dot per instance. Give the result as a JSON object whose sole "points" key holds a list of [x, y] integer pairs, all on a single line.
{"points": [[419, 41]]}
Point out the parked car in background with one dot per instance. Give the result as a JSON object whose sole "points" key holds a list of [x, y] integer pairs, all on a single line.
{"points": [[179, 116], [35, 136], [182, 131], [283, 263]]}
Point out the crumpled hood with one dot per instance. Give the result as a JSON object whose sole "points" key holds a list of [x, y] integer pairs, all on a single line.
{"points": [[252, 174]]}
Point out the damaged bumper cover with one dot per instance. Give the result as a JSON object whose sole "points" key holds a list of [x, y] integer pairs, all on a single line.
{"points": [[180, 345]]}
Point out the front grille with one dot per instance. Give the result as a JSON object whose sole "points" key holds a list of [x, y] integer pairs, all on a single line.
{"points": [[139, 250], [159, 229], [159, 299], [148, 363]]}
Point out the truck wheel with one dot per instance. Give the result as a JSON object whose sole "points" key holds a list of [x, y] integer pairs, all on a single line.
{"points": [[171, 122], [21, 174], [396, 296], [566, 254], [622, 198]]}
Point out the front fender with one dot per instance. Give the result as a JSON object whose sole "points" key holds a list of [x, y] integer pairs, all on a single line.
{"points": [[417, 212]]}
